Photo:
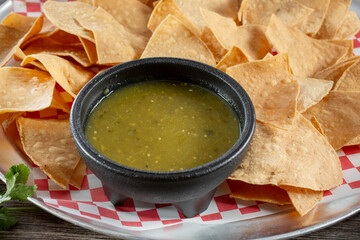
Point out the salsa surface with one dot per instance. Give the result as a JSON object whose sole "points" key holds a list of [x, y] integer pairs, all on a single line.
{"points": [[162, 126]]}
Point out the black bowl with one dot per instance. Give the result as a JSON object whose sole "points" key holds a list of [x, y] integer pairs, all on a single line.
{"points": [[190, 190]]}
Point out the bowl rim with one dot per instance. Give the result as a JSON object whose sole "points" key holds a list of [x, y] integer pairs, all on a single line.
{"points": [[241, 144]]}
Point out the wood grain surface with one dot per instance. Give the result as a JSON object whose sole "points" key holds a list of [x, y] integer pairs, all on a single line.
{"points": [[39, 224]]}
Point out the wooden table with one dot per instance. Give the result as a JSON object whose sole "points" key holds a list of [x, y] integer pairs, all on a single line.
{"points": [[39, 224]]}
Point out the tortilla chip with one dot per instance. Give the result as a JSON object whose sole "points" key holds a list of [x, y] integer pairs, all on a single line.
{"points": [[291, 12], [300, 157], [339, 116], [213, 44], [354, 141], [267, 56], [132, 14], [303, 199], [250, 39], [311, 92], [59, 103], [25, 89], [69, 76], [49, 46], [349, 27], [9, 38], [114, 43], [169, 7], [313, 22], [49, 144], [317, 125], [345, 43], [334, 16], [335, 71], [241, 10], [192, 9], [62, 15], [307, 56], [90, 49], [78, 174], [264, 193], [349, 81], [233, 57], [172, 39], [271, 88]]}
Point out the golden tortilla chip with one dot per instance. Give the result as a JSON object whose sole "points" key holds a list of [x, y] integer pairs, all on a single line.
{"points": [[241, 10], [25, 89], [172, 39], [313, 22], [335, 71], [264, 193], [303, 199], [90, 49], [334, 16], [114, 43], [16, 30], [213, 44], [69, 76], [169, 7], [291, 12], [354, 141], [300, 157], [339, 116], [78, 174], [349, 81], [271, 88], [63, 14], [49, 144], [312, 90], [349, 27], [307, 56], [132, 14], [49, 46], [345, 43], [233, 57], [192, 9], [317, 125], [250, 39]]}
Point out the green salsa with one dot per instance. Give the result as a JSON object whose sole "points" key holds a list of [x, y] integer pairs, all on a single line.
{"points": [[162, 126]]}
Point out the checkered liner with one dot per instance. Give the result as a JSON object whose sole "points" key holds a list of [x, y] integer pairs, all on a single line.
{"points": [[91, 204]]}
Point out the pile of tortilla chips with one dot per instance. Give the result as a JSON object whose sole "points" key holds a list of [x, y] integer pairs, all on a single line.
{"points": [[306, 93]]}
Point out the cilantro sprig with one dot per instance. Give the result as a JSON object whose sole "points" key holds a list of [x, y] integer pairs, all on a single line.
{"points": [[16, 189]]}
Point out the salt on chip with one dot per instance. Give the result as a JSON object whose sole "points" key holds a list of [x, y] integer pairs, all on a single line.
{"points": [[335, 13], [130, 13], [114, 43], [250, 39], [303, 199], [271, 88], [313, 22], [349, 81], [264, 193], [339, 116], [299, 157], [69, 76], [169, 7], [49, 144], [307, 56], [233, 57], [25, 89], [49, 46], [62, 15], [349, 27], [312, 90], [291, 12], [172, 39]]}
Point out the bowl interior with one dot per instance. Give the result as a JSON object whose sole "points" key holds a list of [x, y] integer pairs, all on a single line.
{"points": [[163, 69]]}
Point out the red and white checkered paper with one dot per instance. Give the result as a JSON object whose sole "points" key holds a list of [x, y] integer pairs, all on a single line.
{"points": [[91, 203]]}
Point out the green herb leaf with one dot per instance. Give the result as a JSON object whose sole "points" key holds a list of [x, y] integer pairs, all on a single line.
{"points": [[7, 220]]}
